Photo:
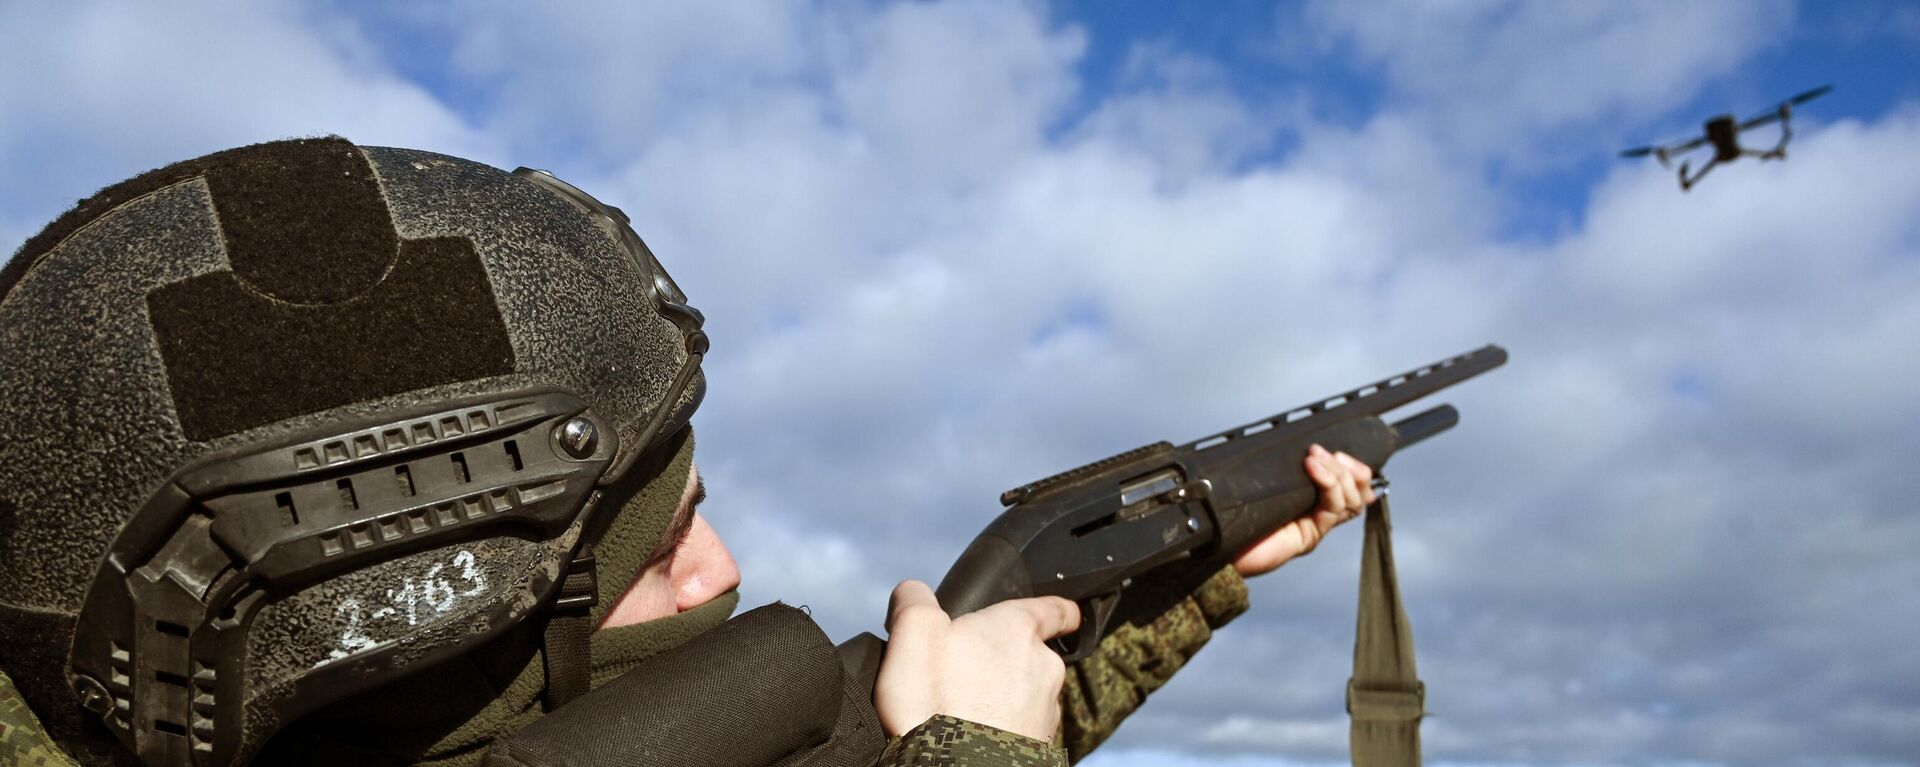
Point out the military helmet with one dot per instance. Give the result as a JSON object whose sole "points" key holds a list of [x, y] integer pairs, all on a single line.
{"points": [[288, 421]]}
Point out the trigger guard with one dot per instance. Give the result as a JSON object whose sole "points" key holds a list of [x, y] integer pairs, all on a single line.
{"points": [[1084, 638], [1095, 613]]}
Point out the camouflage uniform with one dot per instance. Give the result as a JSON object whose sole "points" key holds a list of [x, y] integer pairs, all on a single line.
{"points": [[22, 742], [1100, 691], [946, 741]]}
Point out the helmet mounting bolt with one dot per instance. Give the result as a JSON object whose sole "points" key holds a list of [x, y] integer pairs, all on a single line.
{"points": [[579, 437]]}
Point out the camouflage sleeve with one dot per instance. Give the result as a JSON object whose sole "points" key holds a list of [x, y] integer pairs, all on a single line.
{"points": [[946, 741], [1140, 656], [22, 741]]}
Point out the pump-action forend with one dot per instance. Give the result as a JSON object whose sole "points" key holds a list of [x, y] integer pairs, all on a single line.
{"points": [[1176, 512]]}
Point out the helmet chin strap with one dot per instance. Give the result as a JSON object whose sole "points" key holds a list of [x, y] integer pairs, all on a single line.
{"points": [[567, 645], [647, 498]]}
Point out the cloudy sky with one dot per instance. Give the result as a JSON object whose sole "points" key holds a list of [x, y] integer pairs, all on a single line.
{"points": [[947, 248]]}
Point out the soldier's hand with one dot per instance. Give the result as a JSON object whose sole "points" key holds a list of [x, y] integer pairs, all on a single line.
{"points": [[1346, 487], [991, 666]]}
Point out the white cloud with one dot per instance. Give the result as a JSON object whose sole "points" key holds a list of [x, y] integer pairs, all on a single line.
{"points": [[1283, 736], [949, 92], [607, 79], [98, 92], [1178, 109], [1161, 757], [785, 558], [930, 278], [1504, 77]]}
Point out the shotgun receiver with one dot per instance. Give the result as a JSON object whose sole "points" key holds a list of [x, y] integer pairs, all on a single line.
{"points": [[1176, 514]]}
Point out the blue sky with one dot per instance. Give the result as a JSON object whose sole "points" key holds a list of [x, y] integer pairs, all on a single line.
{"points": [[949, 247], [1869, 46]]}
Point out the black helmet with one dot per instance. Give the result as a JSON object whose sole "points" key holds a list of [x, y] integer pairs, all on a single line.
{"points": [[288, 421]]}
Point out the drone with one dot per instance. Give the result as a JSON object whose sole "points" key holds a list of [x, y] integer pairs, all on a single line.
{"points": [[1724, 134]]}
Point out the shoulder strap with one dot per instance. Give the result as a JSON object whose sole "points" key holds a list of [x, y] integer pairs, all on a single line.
{"points": [[1385, 697]]}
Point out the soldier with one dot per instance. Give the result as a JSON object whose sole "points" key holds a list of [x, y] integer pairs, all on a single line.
{"points": [[321, 453]]}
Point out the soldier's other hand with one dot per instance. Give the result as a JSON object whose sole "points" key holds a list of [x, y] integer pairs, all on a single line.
{"points": [[991, 666], [1346, 487]]}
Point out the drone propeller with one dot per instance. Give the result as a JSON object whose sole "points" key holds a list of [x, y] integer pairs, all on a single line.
{"points": [[1667, 151], [1682, 147], [1810, 95], [1774, 114]]}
